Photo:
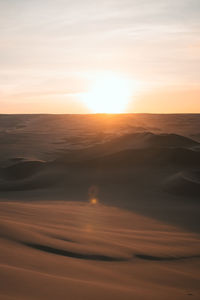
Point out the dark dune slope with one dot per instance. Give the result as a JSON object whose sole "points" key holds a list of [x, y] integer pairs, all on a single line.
{"points": [[22, 170], [129, 141], [128, 151], [134, 149], [184, 184], [171, 140], [148, 157]]}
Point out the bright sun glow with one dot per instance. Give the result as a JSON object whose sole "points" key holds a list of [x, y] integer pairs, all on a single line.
{"points": [[110, 93]]}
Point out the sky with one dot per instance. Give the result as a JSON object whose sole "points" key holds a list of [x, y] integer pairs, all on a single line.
{"points": [[52, 52]]}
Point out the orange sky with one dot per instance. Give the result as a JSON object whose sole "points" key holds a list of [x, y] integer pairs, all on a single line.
{"points": [[52, 52]]}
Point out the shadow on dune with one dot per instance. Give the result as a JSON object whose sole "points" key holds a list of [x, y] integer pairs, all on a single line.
{"points": [[141, 149], [101, 257], [22, 170], [134, 171], [147, 157], [167, 258], [184, 184], [98, 257], [140, 140]]}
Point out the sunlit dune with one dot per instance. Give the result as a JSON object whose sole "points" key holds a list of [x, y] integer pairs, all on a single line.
{"points": [[67, 250]]}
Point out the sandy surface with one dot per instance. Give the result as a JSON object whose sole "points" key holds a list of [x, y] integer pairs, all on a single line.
{"points": [[100, 207], [44, 137], [83, 251]]}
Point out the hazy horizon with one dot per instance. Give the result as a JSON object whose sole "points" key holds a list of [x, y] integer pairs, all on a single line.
{"points": [[123, 113]]}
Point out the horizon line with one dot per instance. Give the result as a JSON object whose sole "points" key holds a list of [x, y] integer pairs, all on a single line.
{"points": [[132, 113]]}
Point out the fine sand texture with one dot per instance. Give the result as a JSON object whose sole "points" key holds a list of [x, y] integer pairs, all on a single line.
{"points": [[100, 207], [67, 250]]}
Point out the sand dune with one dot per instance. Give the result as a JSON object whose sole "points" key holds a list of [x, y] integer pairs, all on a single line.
{"points": [[150, 156], [37, 175], [46, 137], [22, 170], [99, 207], [80, 249], [130, 141], [184, 183]]}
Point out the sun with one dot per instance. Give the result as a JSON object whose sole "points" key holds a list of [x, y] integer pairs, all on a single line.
{"points": [[110, 93]]}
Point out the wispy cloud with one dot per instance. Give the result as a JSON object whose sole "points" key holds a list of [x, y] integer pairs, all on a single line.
{"points": [[46, 46]]}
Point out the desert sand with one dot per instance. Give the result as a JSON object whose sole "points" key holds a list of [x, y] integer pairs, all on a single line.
{"points": [[99, 207]]}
